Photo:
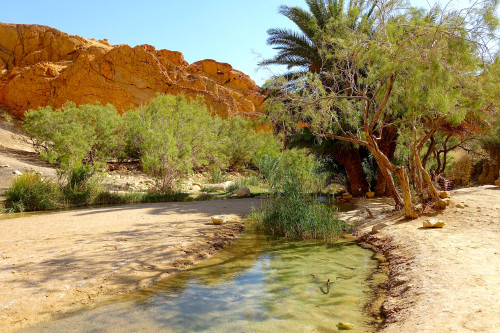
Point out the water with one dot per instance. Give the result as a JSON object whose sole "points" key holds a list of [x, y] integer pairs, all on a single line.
{"points": [[254, 285]]}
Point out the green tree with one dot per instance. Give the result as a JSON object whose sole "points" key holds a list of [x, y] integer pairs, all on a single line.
{"points": [[309, 50], [416, 69], [75, 137], [171, 135]]}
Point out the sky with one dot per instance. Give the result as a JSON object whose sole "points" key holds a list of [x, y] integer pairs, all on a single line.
{"points": [[232, 31]]}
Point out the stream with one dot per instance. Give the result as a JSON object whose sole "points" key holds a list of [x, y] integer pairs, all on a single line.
{"points": [[257, 284]]}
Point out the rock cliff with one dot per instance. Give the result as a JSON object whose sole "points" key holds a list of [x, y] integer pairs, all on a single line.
{"points": [[42, 66]]}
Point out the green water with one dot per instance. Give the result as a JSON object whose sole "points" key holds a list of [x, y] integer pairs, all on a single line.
{"points": [[254, 285]]}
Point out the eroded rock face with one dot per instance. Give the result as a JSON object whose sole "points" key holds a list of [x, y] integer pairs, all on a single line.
{"points": [[42, 66]]}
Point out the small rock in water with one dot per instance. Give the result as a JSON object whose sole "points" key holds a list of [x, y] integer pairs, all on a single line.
{"points": [[343, 325], [219, 219], [347, 196], [370, 194], [433, 223], [459, 205]]}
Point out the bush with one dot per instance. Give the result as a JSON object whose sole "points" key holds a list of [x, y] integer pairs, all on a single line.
{"points": [[292, 211], [71, 136], [239, 143], [30, 192], [172, 135]]}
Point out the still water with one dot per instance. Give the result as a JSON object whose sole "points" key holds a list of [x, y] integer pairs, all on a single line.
{"points": [[257, 284]]}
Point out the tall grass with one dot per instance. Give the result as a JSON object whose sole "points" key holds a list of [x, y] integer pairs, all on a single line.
{"points": [[30, 192], [292, 211]]}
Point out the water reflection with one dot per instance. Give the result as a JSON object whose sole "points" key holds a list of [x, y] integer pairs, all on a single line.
{"points": [[255, 285]]}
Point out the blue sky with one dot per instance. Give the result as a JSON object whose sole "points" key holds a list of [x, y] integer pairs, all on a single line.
{"points": [[232, 31]]}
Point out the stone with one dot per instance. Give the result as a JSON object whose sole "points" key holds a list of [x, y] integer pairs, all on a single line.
{"points": [[370, 194], [460, 205], [347, 196], [242, 192], [376, 228], [447, 201], [219, 219], [4, 166], [444, 194], [43, 66], [343, 325], [17, 172], [433, 223]]}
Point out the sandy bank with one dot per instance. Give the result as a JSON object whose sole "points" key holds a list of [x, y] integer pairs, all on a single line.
{"points": [[59, 262], [441, 280]]}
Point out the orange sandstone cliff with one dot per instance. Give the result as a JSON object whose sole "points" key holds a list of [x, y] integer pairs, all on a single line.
{"points": [[42, 66]]}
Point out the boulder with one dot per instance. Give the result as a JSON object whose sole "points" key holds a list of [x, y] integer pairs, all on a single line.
{"points": [[376, 228], [219, 219], [444, 194], [43, 66], [242, 192], [433, 223], [370, 194], [343, 325]]}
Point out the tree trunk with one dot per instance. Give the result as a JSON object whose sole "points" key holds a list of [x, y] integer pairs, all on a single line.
{"points": [[351, 160], [386, 165], [387, 145]]}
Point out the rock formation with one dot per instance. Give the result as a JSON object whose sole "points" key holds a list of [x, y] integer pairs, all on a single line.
{"points": [[42, 66]]}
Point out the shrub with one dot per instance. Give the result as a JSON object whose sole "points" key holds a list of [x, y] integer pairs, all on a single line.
{"points": [[291, 210], [216, 175], [239, 142], [30, 192], [172, 135], [71, 135]]}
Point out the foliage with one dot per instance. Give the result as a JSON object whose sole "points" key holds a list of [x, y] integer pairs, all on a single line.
{"points": [[491, 142], [239, 142], [291, 210], [30, 192], [172, 135], [79, 139], [412, 68], [216, 175]]}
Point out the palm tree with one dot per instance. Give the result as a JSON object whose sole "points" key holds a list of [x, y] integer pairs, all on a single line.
{"points": [[305, 51]]}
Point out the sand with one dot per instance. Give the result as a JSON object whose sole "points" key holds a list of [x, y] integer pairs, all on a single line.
{"points": [[59, 262], [442, 280]]}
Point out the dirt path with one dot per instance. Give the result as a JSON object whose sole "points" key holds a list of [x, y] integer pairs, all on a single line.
{"points": [[59, 262], [443, 280]]}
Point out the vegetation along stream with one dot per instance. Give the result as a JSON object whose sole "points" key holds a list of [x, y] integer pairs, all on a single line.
{"points": [[257, 284]]}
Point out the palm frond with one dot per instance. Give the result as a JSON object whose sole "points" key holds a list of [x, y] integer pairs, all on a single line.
{"points": [[304, 20]]}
